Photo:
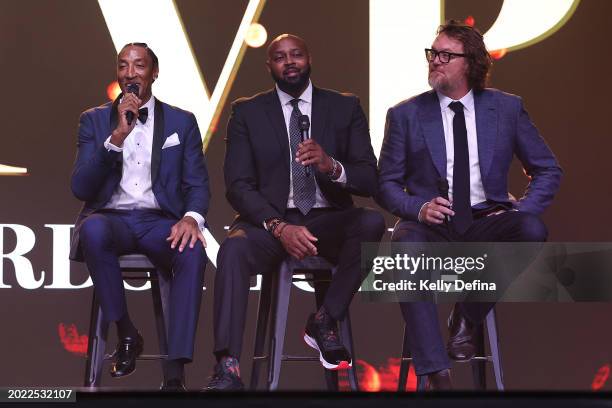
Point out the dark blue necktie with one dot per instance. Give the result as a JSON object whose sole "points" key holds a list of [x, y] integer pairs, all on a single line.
{"points": [[303, 185], [461, 172]]}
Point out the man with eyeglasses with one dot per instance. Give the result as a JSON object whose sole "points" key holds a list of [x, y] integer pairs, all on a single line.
{"points": [[141, 174], [443, 170]]}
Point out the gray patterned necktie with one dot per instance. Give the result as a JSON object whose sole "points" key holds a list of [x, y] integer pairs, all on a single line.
{"points": [[303, 186]]}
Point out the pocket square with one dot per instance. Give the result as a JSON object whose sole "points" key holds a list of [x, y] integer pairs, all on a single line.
{"points": [[171, 140]]}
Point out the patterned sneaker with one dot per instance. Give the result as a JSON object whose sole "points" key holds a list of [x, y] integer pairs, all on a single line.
{"points": [[226, 376], [322, 335]]}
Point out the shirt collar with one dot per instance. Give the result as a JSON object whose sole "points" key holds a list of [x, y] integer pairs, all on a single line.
{"points": [[285, 98], [467, 101]]}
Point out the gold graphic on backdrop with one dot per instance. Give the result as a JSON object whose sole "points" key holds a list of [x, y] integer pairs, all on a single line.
{"points": [[12, 170]]}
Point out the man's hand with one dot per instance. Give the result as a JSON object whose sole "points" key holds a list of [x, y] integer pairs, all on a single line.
{"points": [[435, 211], [129, 103], [310, 152], [185, 231], [298, 241]]}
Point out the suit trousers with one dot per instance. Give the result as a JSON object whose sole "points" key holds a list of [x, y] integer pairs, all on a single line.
{"points": [[108, 234], [249, 250], [424, 337]]}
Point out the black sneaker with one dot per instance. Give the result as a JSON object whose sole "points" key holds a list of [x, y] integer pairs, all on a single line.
{"points": [[226, 376], [322, 335]]}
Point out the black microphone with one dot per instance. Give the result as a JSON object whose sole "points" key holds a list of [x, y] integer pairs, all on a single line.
{"points": [[443, 190], [135, 89], [304, 125]]}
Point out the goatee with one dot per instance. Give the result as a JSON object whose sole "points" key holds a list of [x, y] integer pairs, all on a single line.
{"points": [[293, 85]]}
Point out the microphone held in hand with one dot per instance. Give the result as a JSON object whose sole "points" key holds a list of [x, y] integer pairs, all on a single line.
{"points": [[132, 88], [443, 190], [304, 125]]}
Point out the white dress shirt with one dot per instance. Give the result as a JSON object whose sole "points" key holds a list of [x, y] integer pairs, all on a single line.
{"points": [[305, 106], [477, 193], [135, 190]]}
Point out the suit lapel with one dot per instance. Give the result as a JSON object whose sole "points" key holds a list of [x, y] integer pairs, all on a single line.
{"points": [[318, 120], [158, 139], [275, 115], [114, 120], [430, 117], [486, 130]]}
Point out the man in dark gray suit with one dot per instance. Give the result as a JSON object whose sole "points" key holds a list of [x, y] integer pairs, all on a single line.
{"points": [[293, 198], [446, 155]]}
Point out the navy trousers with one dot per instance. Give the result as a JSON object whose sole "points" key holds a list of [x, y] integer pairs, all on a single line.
{"points": [[424, 337], [108, 234]]}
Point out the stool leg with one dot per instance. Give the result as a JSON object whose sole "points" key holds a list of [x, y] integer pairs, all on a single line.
{"points": [[404, 363], [160, 315], [421, 383], [494, 345], [479, 366], [346, 335], [263, 312], [280, 324], [96, 346]]}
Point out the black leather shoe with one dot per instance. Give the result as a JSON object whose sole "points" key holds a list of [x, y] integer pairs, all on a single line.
{"points": [[173, 385], [439, 381], [321, 334], [460, 345], [124, 357], [226, 376]]}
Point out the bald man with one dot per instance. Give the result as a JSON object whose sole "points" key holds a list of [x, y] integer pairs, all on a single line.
{"points": [[285, 210]]}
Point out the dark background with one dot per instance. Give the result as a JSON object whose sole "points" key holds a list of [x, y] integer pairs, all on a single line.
{"points": [[56, 59]]}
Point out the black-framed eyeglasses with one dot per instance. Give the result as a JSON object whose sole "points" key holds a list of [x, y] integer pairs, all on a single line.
{"points": [[444, 56]]}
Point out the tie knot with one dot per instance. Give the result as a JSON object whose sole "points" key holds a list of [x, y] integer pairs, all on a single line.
{"points": [[456, 106], [294, 103]]}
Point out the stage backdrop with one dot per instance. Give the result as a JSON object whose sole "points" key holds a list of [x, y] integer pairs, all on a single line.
{"points": [[57, 58]]}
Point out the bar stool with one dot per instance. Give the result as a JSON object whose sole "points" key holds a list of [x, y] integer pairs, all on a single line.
{"points": [[478, 362], [133, 267], [275, 294]]}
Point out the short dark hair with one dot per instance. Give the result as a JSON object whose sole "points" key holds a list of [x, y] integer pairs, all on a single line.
{"points": [[146, 47], [479, 59]]}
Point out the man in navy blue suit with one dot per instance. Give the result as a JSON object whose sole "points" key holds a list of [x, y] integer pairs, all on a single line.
{"points": [[141, 173], [446, 155]]}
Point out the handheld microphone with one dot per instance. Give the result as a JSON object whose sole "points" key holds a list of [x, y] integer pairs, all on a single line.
{"points": [[443, 190], [304, 125], [135, 89]]}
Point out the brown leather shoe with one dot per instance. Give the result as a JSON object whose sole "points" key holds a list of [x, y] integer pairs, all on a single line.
{"points": [[460, 345], [439, 381]]}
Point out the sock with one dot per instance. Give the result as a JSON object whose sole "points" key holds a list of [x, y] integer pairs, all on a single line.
{"points": [[175, 369], [125, 327]]}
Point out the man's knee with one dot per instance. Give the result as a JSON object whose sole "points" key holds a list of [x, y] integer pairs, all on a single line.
{"points": [[372, 225], [95, 231], [530, 228], [233, 253]]}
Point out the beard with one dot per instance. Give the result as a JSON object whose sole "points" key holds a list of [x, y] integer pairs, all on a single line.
{"points": [[293, 85], [438, 82]]}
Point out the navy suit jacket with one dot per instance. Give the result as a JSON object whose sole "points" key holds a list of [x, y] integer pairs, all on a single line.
{"points": [[178, 173], [257, 154], [413, 155]]}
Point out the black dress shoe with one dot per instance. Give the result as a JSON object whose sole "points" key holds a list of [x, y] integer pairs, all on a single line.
{"points": [[173, 385], [439, 381], [124, 357], [321, 334], [226, 376], [460, 345]]}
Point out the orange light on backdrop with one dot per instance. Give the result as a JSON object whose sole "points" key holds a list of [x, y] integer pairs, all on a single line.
{"points": [[113, 90]]}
